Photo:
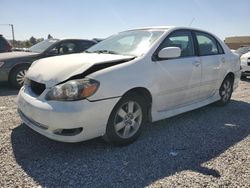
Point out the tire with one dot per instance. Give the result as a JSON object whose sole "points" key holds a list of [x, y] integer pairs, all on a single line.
{"points": [[226, 90], [17, 76], [127, 120]]}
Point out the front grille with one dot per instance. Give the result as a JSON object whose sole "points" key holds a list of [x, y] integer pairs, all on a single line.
{"points": [[36, 87]]}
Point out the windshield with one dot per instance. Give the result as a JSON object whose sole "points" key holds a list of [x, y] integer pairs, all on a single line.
{"points": [[134, 43], [42, 46]]}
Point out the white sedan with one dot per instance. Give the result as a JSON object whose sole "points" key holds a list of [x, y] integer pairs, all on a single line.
{"points": [[245, 64], [121, 83]]}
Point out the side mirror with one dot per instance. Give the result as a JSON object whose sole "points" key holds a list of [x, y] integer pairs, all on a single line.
{"points": [[169, 52]]}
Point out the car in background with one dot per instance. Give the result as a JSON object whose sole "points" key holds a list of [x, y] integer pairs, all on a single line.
{"points": [[242, 50], [116, 86], [4, 45], [13, 65], [245, 65]]}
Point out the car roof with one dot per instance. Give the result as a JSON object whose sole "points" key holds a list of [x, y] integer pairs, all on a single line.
{"points": [[166, 28], [153, 28], [61, 39]]}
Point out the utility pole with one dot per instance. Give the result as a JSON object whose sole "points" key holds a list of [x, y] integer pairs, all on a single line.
{"points": [[191, 22], [13, 35]]}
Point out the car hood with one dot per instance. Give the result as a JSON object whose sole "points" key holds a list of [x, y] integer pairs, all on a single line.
{"points": [[53, 70], [246, 55], [13, 55]]}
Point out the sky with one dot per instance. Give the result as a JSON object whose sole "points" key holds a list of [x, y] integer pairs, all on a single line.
{"points": [[102, 18]]}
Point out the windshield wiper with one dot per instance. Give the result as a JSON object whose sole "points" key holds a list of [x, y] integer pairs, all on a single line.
{"points": [[105, 52]]}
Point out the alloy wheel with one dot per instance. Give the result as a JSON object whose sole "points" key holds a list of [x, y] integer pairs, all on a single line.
{"points": [[21, 77], [226, 91], [128, 119]]}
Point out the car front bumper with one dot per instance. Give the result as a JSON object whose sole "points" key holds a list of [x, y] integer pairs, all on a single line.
{"points": [[245, 70], [52, 118]]}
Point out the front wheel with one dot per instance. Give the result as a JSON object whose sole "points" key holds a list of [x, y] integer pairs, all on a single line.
{"points": [[127, 120], [225, 91]]}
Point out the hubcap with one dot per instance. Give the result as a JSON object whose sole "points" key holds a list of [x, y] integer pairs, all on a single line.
{"points": [[128, 119], [226, 91], [20, 77]]}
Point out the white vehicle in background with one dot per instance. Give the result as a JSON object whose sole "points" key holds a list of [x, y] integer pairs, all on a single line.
{"points": [[242, 50], [245, 64], [130, 78]]}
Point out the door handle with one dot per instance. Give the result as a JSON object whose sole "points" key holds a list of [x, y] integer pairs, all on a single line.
{"points": [[196, 63]]}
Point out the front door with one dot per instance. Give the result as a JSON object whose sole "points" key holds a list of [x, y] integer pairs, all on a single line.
{"points": [[179, 78]]}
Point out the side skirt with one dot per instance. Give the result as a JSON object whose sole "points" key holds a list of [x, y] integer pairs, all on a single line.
{"points": [[156, 115]]}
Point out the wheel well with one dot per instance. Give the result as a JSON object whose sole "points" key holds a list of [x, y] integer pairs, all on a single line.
{"points": [[17, 66], [147, 97]]}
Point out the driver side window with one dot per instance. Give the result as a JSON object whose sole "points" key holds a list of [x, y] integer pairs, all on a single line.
{"points": [[181, 39]]}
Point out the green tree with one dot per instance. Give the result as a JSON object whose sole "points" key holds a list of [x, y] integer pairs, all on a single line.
{"points": [[33, 40], [50, 36], [39, 40]]}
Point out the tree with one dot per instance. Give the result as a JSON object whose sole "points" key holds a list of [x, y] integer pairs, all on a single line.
{"points": [[27, 44], [39, 40], [49, 36], [33, 40]]}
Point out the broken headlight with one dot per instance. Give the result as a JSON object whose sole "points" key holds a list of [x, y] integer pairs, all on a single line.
{"points": [[73, 90]]}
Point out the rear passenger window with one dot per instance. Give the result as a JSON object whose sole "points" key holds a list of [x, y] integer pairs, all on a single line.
{"points": [[208, 44]]}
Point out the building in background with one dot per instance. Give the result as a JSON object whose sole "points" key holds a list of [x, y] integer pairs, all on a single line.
{"points": [[236, 42]]}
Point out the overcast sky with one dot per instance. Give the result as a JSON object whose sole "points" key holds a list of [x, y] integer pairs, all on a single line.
{"points": [[101, 18]]}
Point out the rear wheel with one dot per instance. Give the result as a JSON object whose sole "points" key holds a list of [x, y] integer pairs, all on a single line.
{"points": [[127, 120], [17, 76], [226, 91]]}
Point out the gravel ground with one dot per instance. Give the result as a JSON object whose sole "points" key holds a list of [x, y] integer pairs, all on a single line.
{"points": [[208, 147]]}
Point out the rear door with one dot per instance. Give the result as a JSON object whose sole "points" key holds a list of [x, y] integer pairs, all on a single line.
{"points": [[212, 59]]}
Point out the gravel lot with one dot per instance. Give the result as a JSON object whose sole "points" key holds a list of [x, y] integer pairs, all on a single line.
{"points": [[208, 147]]}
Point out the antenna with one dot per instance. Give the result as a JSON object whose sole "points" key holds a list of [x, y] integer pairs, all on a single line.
{"points": [[191, 22]]}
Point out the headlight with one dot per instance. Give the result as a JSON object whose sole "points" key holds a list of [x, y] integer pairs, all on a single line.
{"points": [[243, 58], [73, 90], [1, 64]]}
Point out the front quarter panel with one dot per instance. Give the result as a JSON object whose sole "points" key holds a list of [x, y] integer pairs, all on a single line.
{"points": [[117, 80]]}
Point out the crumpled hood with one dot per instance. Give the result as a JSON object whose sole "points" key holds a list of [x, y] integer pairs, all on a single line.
{"points": [[12, 55], [54, 70]]}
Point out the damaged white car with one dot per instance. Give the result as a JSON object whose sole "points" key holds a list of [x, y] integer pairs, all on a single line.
{"points": [[130, 78]]}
